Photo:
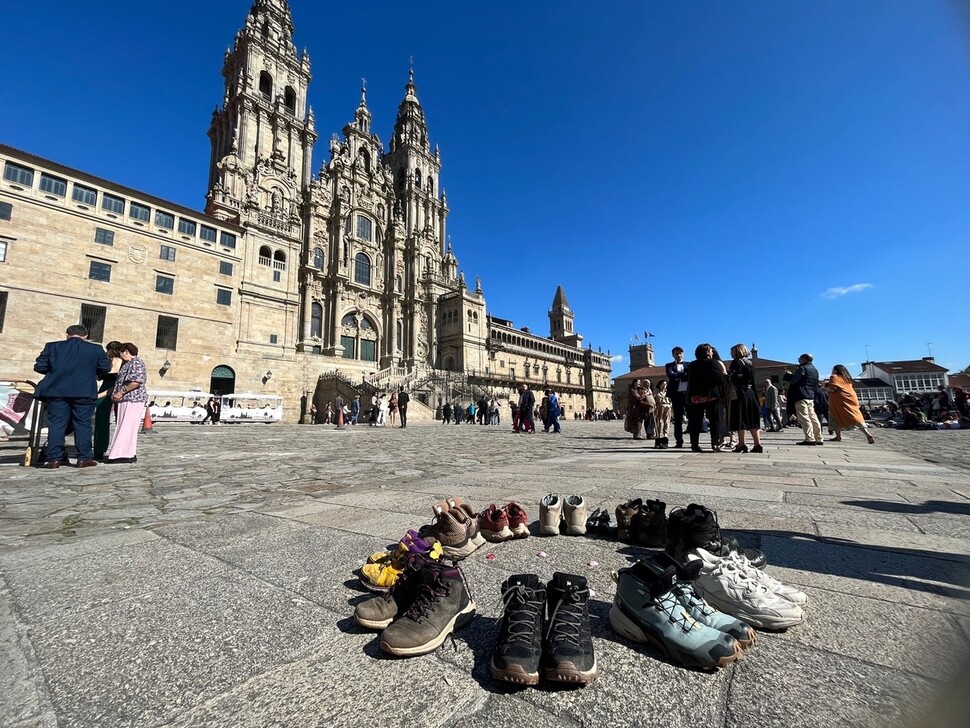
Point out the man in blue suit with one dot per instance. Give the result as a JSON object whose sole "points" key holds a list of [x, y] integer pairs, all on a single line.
{"points": [[70, 389]]}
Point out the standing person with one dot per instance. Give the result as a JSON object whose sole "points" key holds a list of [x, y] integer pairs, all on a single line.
{"points": [[514, 409], [705, 384], [527, 403], [381, 409], [844, 410], [104, 408], [772, 404], [458, 410], [403, 398], [552, 412], [131, 397], [633, 422], [802, 385], [355, 410], [313, 413], [70, 389], [392, 403], [446, 414], [339, 411], [745, 414], [677, 391], [661, 415], [216, 410]]}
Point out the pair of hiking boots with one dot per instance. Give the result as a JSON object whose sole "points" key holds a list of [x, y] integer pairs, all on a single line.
{"points": [[642, 523], [428, 602], [562, 515], [545, 630]]}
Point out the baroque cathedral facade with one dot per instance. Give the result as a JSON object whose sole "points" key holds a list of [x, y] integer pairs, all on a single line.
{"points": [[341, 279]]}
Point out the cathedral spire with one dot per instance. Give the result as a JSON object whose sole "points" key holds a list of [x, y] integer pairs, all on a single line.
{"points": [[410, 128], [362, 117]]}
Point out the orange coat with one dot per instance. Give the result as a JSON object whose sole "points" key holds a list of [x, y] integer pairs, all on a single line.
{"points": [[843, 403]]}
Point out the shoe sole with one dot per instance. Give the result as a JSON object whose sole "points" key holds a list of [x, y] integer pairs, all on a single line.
{"points": [[514, 674], [575, 530], [547, 529], [520, 531], [624, 626], [567, 672], [497, 536], [459, 620], [760, 621], [371, 624]]}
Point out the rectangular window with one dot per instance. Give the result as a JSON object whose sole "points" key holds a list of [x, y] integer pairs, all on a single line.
{"points": [[105, 237], [186, 227], [228, 240], [139, 212], [164, 220], [3, 308], [167, 253], [167, 333], [225, 268], [100, 271], [277, 276], [368, 350], [92, 318], [207, 233], [54, 185], [273, 338], [21, 175], [3, 251], [364, 227], [349, 345], [164, 284], [84, 195], [223, 296], [5, 210], [110, 203]]}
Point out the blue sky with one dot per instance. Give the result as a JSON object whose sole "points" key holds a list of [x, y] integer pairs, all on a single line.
{"points": [[791, 174]]}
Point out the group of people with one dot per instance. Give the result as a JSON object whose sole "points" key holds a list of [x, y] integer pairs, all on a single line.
{"points": [[723, 400], [927, 411], [486, 411], [73, 398]]}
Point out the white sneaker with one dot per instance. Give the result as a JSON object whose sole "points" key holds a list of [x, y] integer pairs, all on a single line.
{"points": [[795, 596], [735, 591], [550, 513]]}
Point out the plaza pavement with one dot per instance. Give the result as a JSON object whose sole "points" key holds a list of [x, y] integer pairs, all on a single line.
{"points": [[211, 583]]}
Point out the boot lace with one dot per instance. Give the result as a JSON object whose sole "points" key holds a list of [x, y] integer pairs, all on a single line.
{"points": [[428, 595], [521, 608], [569, 610]]}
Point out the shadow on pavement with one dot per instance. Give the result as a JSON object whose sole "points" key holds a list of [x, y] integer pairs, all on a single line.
{"points": [[930, 506]]}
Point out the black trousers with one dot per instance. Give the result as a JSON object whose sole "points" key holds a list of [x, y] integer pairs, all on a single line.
{"points": [[695, 419], [679, 401], [403, 411]]}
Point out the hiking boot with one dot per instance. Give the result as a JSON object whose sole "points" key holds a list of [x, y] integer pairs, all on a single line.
{"points": [[568, 655], [378, 612], [574, 515], [598, 522], [518, 649], [646, 609], [457, 531], [441, 605], [738, 590], [550, 514], [518, 520], [696, 527], [701, 610], [624, 519], [493, 523], [650, 524]]}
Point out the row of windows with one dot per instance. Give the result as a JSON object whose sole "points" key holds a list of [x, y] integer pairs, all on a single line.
{"points": [[84, 195], [918, 382], [99, 271]]}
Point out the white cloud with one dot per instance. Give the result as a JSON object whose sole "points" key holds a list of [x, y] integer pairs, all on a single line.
{"points": [[840, 291], [616, 357]]}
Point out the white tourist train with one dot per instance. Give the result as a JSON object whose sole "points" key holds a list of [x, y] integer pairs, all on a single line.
{"points": [[240, 407]]}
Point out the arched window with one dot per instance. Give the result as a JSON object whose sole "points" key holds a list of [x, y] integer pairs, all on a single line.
{"points": [[265, 255], [289, 100], [266, 85], [365, 228], [362, 269], [279, 260], [358, 337], [417, 178], [316, 320], [318, 258]]}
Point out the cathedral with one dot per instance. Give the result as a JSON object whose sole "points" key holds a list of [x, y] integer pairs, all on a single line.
{"points": [[342, 282]]}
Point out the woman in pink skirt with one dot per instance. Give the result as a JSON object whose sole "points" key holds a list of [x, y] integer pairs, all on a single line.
{"points": [[130, 396]]}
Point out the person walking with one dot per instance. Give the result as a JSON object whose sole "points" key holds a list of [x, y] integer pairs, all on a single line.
{"points": [[130, 396], [552, 412], [772, 404], [844, 410], [527, 403], [403, 398], [677, 392], [70, 390], [802, 385], [392, 409]]}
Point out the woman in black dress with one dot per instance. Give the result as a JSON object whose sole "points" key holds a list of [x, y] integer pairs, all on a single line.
{"points": [[705, 384], [745, 410]]}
